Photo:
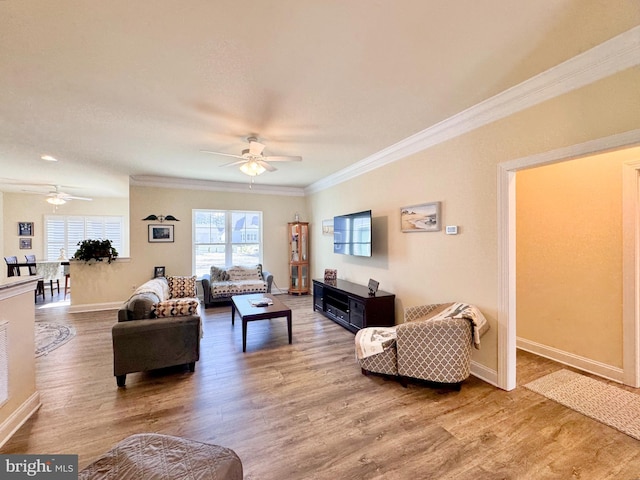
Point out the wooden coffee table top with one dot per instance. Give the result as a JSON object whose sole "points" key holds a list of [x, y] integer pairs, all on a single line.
{"points": [[247, 311]]}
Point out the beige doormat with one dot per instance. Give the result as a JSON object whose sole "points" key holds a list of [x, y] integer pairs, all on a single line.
{"points": [[605, 403]]}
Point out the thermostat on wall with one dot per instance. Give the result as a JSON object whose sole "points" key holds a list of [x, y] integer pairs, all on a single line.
{"points": [[451, 229]]}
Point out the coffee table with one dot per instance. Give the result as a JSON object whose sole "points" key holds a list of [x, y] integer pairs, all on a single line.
{"points": [[248, 312]]}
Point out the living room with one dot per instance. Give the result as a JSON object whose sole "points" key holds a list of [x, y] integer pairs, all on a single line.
{"points": [[456, 164]]}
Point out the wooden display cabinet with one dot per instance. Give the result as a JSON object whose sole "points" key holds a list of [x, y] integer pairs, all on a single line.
{"points": [[299, 283]]}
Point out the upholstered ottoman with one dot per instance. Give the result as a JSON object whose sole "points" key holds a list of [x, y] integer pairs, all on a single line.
{"points": [[149, 456]]}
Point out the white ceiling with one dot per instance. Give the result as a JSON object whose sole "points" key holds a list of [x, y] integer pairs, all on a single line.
{"points": [[123, 87]]}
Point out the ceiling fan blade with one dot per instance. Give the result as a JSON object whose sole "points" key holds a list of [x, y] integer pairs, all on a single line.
{"points": [[237, 162], [284, 159], [223, 154], [266, 166], [255, 148], [72, 197], [34, 192]]}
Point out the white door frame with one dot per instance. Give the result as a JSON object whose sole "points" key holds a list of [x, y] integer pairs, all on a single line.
{"points": [[506, 374]]}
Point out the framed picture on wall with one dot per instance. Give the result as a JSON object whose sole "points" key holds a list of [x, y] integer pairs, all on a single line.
{"points": [[25, 229], [421, 218], [160, 233], [158, 272], [25, 244]]}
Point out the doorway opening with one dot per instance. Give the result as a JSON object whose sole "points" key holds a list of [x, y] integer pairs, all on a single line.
{"points": [[506, 372]]}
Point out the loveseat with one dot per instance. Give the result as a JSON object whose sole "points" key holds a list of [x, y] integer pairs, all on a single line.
{"points": [[222, 283], [158, 326]]}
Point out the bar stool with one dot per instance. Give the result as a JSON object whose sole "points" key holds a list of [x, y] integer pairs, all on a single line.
{"points": [[67, 280]]}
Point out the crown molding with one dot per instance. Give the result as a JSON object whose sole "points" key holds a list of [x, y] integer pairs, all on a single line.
{"points": [[608, 58], [190, 184]]}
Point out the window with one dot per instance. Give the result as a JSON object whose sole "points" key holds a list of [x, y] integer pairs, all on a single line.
{"points": [[65, 231], [224, 238]]}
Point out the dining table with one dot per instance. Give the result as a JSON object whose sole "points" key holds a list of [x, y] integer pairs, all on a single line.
{"points": [[47, 269]]}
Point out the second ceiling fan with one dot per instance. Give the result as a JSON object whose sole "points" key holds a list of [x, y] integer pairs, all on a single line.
{"points": [[252, 162]]}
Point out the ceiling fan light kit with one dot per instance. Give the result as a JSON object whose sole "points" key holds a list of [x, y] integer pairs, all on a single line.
{"points": [[252, 162], [56, 200], [252, 168]]}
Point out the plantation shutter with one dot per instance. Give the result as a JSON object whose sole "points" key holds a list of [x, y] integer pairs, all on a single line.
{"points": [[62, 231]]}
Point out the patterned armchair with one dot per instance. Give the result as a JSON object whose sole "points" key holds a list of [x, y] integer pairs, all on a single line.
{"points": [[436, 350]]}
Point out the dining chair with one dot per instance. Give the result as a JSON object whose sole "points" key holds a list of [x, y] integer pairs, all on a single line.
{"points": [[13, 270], [31, 260], [50, 274]]}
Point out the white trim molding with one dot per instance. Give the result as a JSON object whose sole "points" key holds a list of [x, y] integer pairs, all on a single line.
{"points": [[94, 307], [507, 248], [631, 273], [190, 184], [576, 361], [19, 417], [608, 58]]}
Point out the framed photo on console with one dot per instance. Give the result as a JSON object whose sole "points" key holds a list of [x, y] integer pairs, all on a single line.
{"points": [[160, 233], [158, 272]]}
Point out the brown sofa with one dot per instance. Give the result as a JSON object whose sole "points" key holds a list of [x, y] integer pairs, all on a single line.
{"points": [[158, 326]]}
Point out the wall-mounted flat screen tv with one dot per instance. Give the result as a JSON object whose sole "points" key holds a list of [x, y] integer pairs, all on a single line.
{"points": [[352, 234]]}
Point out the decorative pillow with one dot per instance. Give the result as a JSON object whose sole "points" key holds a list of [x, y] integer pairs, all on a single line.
{"points": [[175, 308], [219, 275], [244, 273], [182, 287]]}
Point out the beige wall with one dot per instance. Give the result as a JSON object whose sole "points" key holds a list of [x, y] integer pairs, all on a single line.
{"points": [[123, 277], [569, 256], [20, 207], [462, 173], [17, 309]]}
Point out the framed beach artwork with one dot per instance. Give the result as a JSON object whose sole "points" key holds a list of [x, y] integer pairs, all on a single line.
{"points": [[327, 227], [160, 233], [421, 218]]}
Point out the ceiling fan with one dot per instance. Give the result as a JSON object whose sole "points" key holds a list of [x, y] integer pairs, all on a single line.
{"points": [[252, 162], [58, 197]]}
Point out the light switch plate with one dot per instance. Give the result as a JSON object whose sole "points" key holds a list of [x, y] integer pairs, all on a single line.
{"points": [[451, 229]]}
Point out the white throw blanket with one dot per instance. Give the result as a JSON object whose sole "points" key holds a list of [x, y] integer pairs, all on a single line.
{"points": [[373, 340], [159, 287], [471, 313]]}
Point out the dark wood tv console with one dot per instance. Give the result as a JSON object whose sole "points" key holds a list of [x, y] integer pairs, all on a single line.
{"points": [[349, 304]]}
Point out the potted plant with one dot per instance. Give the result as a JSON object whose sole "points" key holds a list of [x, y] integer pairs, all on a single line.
{"points": [[96, 250]]}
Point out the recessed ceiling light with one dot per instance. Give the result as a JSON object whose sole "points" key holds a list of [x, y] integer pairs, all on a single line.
{"points": [[49, 158]]}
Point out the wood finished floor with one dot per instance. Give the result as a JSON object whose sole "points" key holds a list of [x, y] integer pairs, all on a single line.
{"points": [[304, 411]]}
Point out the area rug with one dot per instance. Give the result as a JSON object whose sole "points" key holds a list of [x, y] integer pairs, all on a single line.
{"points": [[50, 336], [596, 399]]}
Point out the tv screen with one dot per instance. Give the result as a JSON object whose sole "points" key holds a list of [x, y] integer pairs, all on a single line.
{"points": [[352, 234]]}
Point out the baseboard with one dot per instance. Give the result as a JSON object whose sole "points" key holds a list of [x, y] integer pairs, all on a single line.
{"points": [[484, 373], [576, 361], [94, 307], [17, 418]]}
